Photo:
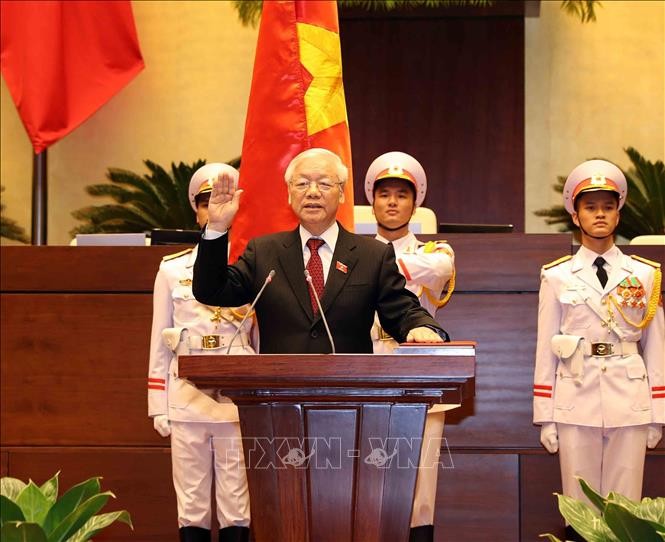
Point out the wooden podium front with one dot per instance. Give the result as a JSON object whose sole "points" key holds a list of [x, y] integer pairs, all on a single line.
{"points": [[332, 442]]}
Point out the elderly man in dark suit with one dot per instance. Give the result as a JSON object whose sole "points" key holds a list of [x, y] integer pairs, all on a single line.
{"points": [[354, 276]]}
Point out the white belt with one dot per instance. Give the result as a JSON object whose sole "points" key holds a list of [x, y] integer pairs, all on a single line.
{"points": [[215, 342], [623, 348]]}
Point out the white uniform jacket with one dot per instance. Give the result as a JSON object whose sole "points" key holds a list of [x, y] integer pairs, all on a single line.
{"points": [[182, 325], [427, 268], [577, 321]]}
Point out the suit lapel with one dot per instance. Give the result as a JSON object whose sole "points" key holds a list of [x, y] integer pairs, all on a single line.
{"points": [[347, 258], [291, 260]]}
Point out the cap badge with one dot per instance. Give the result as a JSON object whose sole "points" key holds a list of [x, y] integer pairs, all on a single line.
{"points": [[598, 179], [395, 170]]}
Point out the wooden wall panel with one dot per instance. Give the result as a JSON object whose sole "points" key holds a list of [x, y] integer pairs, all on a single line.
{"points": [[478, 499], [505, 327], [79, 362], [502, 262], [58, 269], [450, 91], [140, 478]]}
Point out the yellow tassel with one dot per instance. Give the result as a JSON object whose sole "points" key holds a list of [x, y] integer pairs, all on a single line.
{"points": [[438, 303]]}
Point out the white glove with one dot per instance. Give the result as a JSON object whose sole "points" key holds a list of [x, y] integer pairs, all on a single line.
{"points": [[654, 434], [549, 437], [162, 425]]}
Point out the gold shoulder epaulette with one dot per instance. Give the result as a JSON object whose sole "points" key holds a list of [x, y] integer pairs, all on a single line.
{"points": [[557, 262], [644, 260], [433, 246], [177, 254]]}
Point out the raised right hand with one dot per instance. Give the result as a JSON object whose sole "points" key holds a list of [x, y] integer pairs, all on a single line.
{"points": [[224, 203]]}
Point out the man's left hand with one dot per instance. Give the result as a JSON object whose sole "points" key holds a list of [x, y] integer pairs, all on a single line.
{"points": [[423, 335]]}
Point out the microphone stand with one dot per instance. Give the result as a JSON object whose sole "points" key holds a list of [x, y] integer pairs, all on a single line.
{"points": [[251, 307], [308, 278]]}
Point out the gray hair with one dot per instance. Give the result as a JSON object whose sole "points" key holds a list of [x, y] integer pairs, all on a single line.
{"points": [[341, 170]]}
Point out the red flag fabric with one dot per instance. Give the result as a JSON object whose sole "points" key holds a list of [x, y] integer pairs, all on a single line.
{"points": [[296, 102], [62, 60]]}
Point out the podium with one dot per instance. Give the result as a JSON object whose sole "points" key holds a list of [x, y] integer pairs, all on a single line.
{"points": [[332, 442]]}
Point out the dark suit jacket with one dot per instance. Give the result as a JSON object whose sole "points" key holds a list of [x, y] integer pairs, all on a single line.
{"points": [[371, 282]]}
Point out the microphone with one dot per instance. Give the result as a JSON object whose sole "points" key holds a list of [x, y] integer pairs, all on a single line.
{"points": [[308, 278], [251, 307]]}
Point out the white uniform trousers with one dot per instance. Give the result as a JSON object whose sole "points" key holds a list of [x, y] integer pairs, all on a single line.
{"points": [[428, 470], [609, 459], [201, 452]]}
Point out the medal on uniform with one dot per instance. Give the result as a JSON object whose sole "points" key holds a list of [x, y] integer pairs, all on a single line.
{"points": [[631, 293]]}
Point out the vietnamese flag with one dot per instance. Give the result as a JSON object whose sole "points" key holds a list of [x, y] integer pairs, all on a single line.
{"points": [[62, 60], [296, 102]]}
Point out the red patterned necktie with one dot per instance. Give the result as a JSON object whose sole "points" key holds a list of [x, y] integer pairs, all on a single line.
{"points": [[315, 268]]}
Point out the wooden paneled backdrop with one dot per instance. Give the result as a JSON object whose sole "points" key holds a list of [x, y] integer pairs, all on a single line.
{"points": [[75, 326], [447, 86]]}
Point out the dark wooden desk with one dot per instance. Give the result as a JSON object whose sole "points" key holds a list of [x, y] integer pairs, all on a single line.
{"points": [[311, 423]]}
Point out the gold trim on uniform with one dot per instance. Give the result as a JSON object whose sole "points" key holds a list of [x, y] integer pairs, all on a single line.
{"points": [[383, 336], [644, 260], [557, 262], [176, 255]]}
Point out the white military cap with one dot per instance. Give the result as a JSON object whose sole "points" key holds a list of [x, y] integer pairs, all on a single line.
{"points": [[591, 176], [396, 165], [204, 176]]}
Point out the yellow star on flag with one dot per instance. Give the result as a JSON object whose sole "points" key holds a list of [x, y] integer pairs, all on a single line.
{"points": [[321, 55]]}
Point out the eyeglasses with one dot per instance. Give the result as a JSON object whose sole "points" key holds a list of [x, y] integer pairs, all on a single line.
{"points": [[323, 185]]}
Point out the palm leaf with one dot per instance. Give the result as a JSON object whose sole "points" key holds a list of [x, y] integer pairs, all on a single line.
{"points": [[9, 511], [99, 522], [584, 10], [644, 210], [11, 487], [33, 503], [582, 518], [249, 11], [628, 527], [69, 502], [79, 516], [158, 199], [18, 531], [9, 229]]}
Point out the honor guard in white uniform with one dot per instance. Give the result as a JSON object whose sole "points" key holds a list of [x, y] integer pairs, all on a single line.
{"points": [[395, 185], [599, 384], [205, 434]]}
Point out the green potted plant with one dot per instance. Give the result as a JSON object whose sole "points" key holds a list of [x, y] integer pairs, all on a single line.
{"points": [[615, 518], [29, 512]]}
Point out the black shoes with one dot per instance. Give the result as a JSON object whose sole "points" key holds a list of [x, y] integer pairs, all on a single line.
{"points": [[194, 534], [234, 534], [424, 533], [228, 534]]}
